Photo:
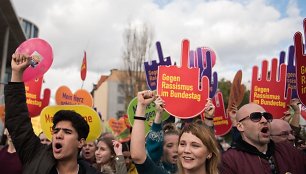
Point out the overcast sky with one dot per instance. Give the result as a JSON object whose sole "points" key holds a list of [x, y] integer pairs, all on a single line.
{"points": [[242, 32]]}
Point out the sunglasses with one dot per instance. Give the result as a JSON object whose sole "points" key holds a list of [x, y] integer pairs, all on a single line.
{"points": [[256, 116]]}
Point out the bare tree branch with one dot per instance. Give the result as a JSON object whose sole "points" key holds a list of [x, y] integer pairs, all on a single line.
{"points": [[137, 46]]}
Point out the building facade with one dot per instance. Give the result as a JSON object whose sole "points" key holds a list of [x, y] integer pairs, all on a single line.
{"points": [[110, 96], [13, 31]]}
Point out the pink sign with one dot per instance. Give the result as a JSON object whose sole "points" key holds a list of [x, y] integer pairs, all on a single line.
{"points": [[269, 90], [300, 60], [180, 89], [34, 102], [42, 57]]}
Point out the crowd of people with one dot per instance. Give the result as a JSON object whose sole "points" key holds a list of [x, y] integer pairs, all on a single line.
{"points": [[260, 144]]}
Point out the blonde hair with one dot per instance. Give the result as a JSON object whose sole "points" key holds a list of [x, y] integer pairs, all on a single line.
{"points": [[208, 139]]}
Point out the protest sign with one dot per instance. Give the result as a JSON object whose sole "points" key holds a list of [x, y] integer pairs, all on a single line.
{"points": [[89, 114], [64, 96], [151, 68], [269, 91], [34, 102], [41, 54], [180, 87]]}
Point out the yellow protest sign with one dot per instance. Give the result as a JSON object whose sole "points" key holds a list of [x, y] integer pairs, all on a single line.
{"points": [[36, 125], [89, 114]]}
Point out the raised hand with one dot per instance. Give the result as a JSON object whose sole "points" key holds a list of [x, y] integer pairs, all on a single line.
{"points": [[291, 75], [117, 147], [232, 113], [34, 102], [144, 98], [179, 87], [19, 63], [300, 60], [151, 70], [269, 91], [209, 109], [159, 104], [159, 108]]}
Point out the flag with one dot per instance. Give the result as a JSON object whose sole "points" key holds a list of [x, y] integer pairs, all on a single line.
{"points": [[84, 67]]}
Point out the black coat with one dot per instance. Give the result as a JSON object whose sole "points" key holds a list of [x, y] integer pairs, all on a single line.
{"points": [[35, 157]]}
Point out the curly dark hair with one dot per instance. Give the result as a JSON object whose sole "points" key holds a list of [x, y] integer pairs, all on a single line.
{"points": [[77, 121]]}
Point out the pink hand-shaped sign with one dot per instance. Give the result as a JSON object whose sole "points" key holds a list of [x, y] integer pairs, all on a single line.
{"points": [[34, 102], [179, 87], [269, 90], [300, 60], [42, 57]]}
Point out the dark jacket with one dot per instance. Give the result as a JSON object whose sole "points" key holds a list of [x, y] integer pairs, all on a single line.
{"points": [[245, 158], [35, 157], [154, 146]]}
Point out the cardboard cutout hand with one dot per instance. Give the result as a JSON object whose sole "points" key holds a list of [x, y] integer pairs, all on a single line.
{"points": [[300, 59], [221, 121], [270, 90], [199, 59], [151, 70], [179, 87], [291, 76], [34, 102], [237, 91], [207, 71]]}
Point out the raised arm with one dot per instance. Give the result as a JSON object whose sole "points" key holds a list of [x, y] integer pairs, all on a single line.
{"points": [[120, 161], [138, 151], [17, 117], [209, 113], [155, 137], [295, 121]]}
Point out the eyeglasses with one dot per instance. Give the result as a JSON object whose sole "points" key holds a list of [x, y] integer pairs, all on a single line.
{"points": [[256, 116], [284, 134]]}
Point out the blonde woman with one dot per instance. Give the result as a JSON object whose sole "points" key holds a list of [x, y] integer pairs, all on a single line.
{"points": [[198, 152]]}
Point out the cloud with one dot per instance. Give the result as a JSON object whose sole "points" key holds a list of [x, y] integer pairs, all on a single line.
{"points": [[241, 32]]}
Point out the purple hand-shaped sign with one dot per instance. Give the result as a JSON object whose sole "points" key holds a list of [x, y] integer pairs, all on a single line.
{"points": [[151, 70], [202, 59], [291, 76]]}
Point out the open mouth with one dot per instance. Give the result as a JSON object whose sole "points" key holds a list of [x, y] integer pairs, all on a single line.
{"points": [[265, 130], [58, 146], [175, 156]]}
